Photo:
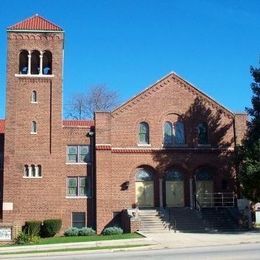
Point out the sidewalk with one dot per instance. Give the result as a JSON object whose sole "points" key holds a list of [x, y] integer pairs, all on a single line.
{"points": [[182, 240], [14, 251], [151, 241]]}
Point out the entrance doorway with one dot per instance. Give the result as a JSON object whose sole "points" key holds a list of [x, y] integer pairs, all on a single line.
{"points": [[204, 187], [174, 185], [144, 188]]}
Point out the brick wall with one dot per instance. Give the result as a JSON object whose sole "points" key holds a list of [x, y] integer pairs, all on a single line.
{"points": [[170, 99], [39, 198]]}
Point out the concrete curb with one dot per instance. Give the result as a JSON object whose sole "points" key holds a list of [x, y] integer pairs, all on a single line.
{"points": [[79, 245]]}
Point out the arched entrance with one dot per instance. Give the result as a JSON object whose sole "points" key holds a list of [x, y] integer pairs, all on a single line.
{"points": [[174, 188], [204, 187], [144, 188]]}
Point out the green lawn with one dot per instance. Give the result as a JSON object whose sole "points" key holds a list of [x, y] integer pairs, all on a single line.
{"points": [[57, 240]]}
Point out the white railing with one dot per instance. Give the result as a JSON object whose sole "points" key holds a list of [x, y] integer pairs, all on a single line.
{"points": [[217, 199]]}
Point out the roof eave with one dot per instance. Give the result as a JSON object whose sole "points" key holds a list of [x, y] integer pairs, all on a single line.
{"points": [[34, 31]]}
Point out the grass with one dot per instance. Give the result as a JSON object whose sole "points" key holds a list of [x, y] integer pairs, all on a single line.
{"points": [[57, 240], [75, 249]]}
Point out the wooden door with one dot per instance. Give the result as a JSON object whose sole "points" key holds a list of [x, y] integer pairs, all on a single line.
{"points": [[205, 193], [144, 191], [174, 194]]}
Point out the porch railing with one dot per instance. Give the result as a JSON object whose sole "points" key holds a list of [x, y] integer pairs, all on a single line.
{"points": [[217, 199]]}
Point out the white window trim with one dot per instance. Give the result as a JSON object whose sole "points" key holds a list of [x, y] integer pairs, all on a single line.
{"points": [[77, 197], [78, 187], [33, 76], [144, 145], [30, 171], [174, 145], [75, 163], [203, 145], [78, 154]]}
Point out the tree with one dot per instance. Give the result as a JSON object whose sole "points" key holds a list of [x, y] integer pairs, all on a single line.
{"points": [[249, 154], [98, 98]]}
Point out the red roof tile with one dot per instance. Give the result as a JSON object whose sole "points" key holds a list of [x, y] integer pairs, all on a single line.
{"points": [[35, 23], [2, 126], [73, 123]]}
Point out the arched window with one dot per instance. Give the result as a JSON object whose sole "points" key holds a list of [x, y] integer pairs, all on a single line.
{"points": [[47, 63], [174, 175], [143, 133], [34, 96], [23, 62], [35, 62], [34, 127], [179, 133], [33, 171], [202, 133], [26, 171], [143, 175], [204, 174], [39, 168], [174, 133], [168, 133]]}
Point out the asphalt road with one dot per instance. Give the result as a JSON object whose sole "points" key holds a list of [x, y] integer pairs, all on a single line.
{"points": [[234, 252]]}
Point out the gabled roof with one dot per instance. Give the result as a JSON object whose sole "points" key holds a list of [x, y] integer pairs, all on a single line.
{"points": [[2, 126], [163, 82], [78, 123], [35, 23]]}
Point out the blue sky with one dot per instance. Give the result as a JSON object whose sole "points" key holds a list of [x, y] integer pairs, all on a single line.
{"points": [[130, 44]]}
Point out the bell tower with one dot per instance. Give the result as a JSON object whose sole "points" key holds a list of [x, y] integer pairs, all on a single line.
{"points": [[33, 131]]}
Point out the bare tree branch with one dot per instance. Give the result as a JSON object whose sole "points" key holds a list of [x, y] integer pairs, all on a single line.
{"points": [[98, 98]]}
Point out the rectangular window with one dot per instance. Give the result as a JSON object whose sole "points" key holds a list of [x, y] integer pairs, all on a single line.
{"points": [[78, 219], [77, 186], [78, 153]]}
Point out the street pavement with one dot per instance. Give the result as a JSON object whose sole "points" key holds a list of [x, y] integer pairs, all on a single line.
{"points": [[153, 241]]}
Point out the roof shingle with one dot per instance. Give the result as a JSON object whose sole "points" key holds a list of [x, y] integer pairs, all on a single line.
{"points": [[35, 23]]}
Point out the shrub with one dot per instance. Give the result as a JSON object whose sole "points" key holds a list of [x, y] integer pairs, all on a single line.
{"points": [[86, 231], [71, 232], [24, 238], [112, 231], [50, 227], [32, 228]]}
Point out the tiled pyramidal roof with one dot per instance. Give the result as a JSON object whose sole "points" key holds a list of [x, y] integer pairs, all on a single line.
{"points": [[35, 23]]}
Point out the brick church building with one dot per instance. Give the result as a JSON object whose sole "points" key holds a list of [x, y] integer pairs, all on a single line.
{"points": [[169, 146]]}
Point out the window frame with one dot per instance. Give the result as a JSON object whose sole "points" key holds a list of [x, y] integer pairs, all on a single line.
{"points": [[78, 193], [78, 154], [173, 140], [34, 127], [143, 134], [32, 171], [207, 143], [34, 98], [85, 220]]}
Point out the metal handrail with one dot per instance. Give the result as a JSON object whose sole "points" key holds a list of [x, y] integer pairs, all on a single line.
{"points": [[171, 218], [197, 204], [216, 199]]}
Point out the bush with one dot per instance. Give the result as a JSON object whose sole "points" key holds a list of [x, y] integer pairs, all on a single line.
{"points": [[24, 238], [32, 228], [112, 231], [71, 232], [86, 231], [50, 227]]}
